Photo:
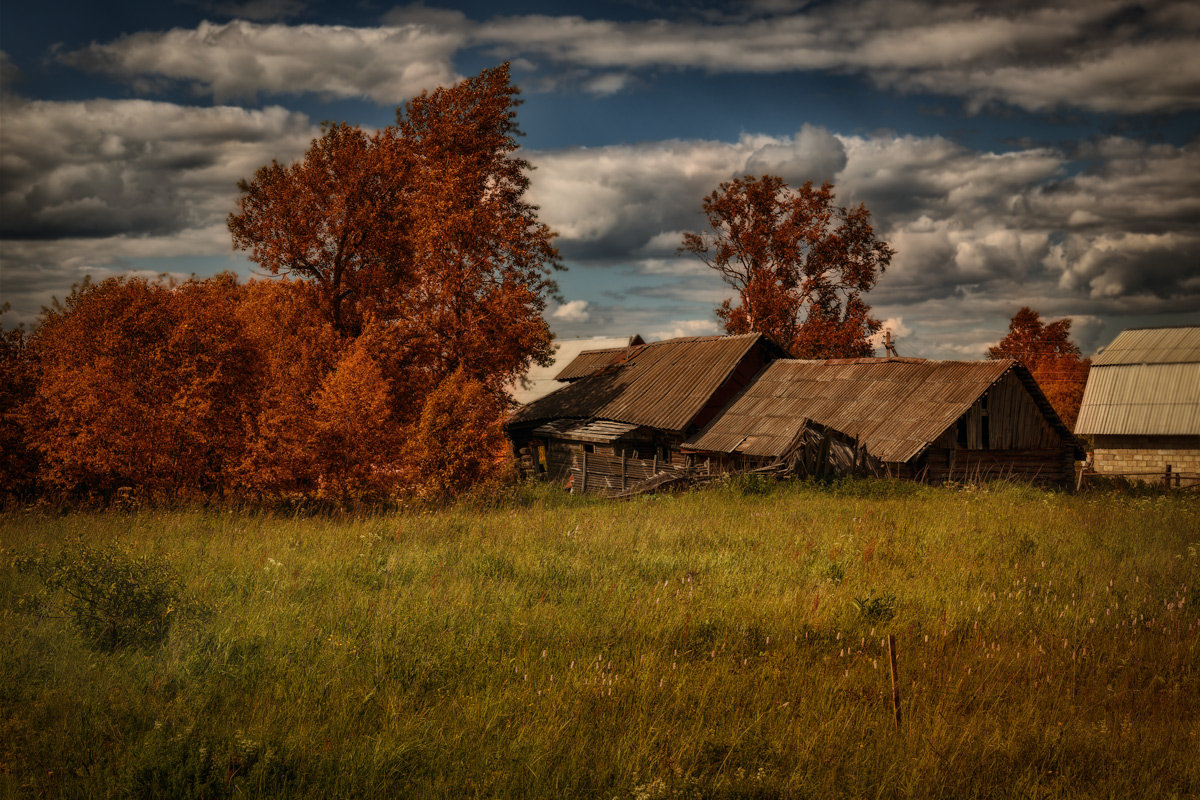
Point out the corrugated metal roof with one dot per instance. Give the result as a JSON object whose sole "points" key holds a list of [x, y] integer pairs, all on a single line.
{"points": [[1178, 345], [1141, 400], [894, 407], [540, 381], [589, 361], [601, 430], [662, 385]]}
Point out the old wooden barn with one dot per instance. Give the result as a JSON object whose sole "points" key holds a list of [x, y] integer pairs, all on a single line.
{"points": [[624, 412], [1141, 406], [737, 402], [926, 420]]}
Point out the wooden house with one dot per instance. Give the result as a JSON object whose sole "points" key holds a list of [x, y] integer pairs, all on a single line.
{"points": [[910, 418], [624, 412], [1141, 406]]}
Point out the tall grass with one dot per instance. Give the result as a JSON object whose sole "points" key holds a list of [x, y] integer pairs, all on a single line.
{"points": [[705, 645]]}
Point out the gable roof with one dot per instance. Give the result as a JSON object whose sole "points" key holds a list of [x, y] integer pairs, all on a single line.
{"points": [[895, 407], [540, 381], [661, 385], [1146, 383], [588, 361], [1177, 345]]}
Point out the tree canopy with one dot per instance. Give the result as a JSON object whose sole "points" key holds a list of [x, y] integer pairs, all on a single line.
{"points": [[799, 263], [411, 279], [423, 226], [1053, 359]]}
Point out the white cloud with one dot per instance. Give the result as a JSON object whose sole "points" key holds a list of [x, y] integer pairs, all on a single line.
{"points": [[614, 200], [95, 187], [133, 167], [573, 311], [241, 59], [970, 228], [1099, 55], [1035, 57], [685, 327]]}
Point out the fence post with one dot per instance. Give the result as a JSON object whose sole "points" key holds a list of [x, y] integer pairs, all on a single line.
{"points": [[891, 640], [1167, 477]]}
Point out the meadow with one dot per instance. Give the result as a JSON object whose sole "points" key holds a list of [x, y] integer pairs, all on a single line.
{"points": [[725, 643]]}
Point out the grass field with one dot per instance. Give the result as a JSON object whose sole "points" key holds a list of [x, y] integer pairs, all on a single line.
{"points": [[725, 643]]}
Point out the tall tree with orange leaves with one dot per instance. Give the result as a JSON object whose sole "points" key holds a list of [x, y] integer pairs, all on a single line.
{"points": [[1054, 360], [799, 263], [422, 227]]}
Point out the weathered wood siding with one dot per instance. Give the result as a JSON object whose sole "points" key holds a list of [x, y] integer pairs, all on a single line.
{"points": [[613, 469]]}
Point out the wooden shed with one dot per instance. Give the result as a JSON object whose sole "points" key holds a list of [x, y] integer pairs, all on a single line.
{"points": [[624, 412], [928, 420], [1141, 406]]}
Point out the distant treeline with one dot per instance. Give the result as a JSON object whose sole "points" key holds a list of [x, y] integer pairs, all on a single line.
{"points": [[214, 388]]}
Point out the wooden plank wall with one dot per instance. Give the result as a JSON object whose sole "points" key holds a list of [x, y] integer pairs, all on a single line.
{"points": [[1015, 422], [609, 470], [1055, 465]]}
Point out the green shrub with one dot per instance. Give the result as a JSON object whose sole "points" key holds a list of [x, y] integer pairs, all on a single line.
{"points": [[876, 609], [115, 598]]}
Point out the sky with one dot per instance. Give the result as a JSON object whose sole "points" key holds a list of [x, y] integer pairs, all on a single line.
{"points": [[1013, 154]]}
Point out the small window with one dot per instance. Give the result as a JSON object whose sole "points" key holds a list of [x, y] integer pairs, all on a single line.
{"points": [[962, 432], [589, 448]]}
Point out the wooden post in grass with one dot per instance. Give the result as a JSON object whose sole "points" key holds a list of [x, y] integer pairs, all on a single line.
{"points": [[895, 679]]}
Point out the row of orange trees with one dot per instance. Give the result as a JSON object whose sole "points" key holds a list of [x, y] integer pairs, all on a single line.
{"points": [[211, 387], [411, 280]]}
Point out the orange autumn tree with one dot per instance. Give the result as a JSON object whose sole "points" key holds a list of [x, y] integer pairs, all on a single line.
{"points": [[421, 229], [141, 384], [1054, 360], [799, 263]]}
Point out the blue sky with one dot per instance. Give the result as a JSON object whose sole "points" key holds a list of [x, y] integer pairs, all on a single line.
{"points": [[1012, 153]]}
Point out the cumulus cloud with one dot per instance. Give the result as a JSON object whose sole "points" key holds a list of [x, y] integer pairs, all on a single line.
{"points": [[573, 311], [1102, 56], [613, 201], [133, 167], [98, 187], [685, 327], [241, 59], [1106, 55], [977, 234]]}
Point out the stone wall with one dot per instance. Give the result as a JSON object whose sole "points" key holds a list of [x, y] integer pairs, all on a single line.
{"points": [[1129, 455]]}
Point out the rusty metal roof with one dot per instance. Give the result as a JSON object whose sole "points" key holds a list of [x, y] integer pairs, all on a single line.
{"points": [[1177, 345], [600, 430], [540, 381], [1141, 400], [895, 407], [662, 385], [585, 362]]}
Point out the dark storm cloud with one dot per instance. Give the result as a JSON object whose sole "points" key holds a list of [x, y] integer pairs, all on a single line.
{"points": [[128, 167]]}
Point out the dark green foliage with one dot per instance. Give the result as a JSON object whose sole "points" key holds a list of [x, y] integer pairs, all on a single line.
{"points": [[192, 764], [876, 609], [115, 598]]}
